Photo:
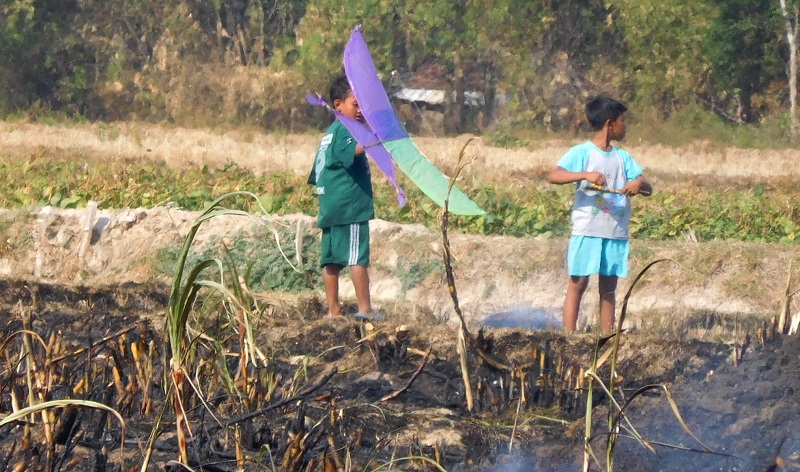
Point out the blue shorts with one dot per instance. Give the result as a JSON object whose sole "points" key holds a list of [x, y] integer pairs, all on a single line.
{"points": [[588, 255]]}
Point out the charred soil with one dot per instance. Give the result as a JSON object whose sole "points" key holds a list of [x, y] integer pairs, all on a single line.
{"points": [[274, 385]]}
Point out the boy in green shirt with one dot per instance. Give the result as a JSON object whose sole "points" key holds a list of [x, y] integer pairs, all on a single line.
{"points": [[342, 179]]}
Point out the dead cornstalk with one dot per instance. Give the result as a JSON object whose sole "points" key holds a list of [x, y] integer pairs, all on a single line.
{"points": [[783, 322], [451, 282]]}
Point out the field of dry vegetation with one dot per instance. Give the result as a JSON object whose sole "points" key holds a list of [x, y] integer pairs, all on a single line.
{"points": [[261, 381], [263, 152]]}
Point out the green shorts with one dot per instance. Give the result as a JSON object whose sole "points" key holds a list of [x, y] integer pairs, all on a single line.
{"points": [[346, 245]]}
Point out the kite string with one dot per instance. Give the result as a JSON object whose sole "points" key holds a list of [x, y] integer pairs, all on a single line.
{"points": [[396, 76]]}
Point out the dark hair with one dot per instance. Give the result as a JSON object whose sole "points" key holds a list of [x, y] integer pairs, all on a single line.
{"points": [[339, 89], [603, 108]]}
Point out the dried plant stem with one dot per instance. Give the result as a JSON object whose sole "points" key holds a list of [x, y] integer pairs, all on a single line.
{"points": [[461, 347], [516, 421], [590, 375], [450, 277], [612, 425], [99, 342], [181, 422], [410, 381], [154, 433], [301, 395], [783, 323]]}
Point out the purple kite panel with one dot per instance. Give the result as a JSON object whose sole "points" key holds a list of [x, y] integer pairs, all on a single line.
{"points": [[369, 141], [369, 91], [375, 149]]}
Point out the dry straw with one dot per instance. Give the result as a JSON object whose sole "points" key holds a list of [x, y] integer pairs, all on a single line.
{"points": [[275, 152]]}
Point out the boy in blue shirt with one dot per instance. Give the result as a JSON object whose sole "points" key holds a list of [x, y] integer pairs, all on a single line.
{"points": [[605, 177], [342, 179]]}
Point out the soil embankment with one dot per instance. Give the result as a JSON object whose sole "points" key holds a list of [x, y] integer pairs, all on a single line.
{"points": [[508, 278]]}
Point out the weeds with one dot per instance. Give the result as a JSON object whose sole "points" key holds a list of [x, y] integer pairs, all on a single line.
{"points": [[181, 303], [414, 273], [260, 257], [617, 420]]}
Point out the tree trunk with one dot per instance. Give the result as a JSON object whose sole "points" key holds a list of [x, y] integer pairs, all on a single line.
{"points": [[790, 22], [399, 39], [489, 93], [459, 92]]}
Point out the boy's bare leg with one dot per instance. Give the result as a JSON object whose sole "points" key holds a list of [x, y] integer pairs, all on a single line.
{"points": [[330, 277], [360, 277], [608, 286], [572, 302]]}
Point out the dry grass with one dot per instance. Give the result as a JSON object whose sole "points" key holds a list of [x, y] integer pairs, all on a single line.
{"points": [[269, 152], [178, 147]]}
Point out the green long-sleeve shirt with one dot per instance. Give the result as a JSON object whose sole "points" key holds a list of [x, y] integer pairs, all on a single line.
{"points": [[342, 179]]}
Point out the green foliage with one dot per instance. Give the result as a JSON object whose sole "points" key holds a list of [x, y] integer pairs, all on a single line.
{"points": [[742, 61], [741, 214], [42, 56], [401, 33], [51, 180], [258, 259], [693, 123], [759, 213], [226, 62], [415, 273], [506, 140], [187, 282], [125, 59], [662, 64]]}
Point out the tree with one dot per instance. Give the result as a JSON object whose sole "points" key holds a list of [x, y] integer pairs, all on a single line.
{"points": [[401, 33], [249, 30], [742, 57], [45, 61], [791, 15], [498, 38], [664, 61]]}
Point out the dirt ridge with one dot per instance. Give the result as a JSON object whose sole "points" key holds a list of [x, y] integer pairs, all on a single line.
{"points": [[495, 274]]}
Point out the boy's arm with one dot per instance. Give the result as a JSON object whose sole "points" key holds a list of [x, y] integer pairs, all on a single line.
{"points": [[560, 175], [345, 149]]}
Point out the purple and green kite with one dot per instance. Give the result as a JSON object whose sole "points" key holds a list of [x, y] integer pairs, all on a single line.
{"points": [[385, 140]]}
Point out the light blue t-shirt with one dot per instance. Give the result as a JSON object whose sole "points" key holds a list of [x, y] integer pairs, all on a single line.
{"points": [[594, 213]]}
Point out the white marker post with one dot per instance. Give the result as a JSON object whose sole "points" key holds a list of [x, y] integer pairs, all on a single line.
{"points": [[88, 226]]}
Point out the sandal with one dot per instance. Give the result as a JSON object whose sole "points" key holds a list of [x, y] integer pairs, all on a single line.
{"points": [[365, 317]]}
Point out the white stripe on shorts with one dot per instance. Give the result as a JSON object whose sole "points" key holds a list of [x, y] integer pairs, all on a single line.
{"points": [[354, 234]]}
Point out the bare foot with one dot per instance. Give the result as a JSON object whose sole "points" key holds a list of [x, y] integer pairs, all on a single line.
{"points": [[332, 317]]}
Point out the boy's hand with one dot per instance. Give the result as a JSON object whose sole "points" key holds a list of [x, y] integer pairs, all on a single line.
{"points": [[637, 186], [596, 178]]}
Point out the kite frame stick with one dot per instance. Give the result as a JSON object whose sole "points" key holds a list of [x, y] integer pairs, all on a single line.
{"points": [[611, 190]]}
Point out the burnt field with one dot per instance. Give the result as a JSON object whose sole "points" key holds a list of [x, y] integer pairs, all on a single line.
{"points": [[259, 380], [306, 393]]}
